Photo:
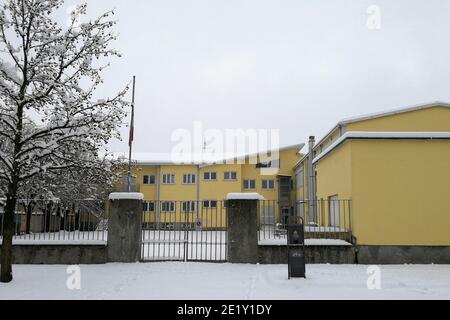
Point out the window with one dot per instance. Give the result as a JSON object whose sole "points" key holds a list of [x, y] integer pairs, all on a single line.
{"points": [[211, 204], [167, 206], [268, 184], [232, 175], [249, 184], [210, 176], [300, 179], [188, 206], [168, 178], [149, 206], [147, 180], [189, 179]]}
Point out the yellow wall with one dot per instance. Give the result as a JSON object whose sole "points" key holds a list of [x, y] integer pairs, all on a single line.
{"points": [[400, 192], [218, 190], [334, 174], [177, 191], [334, 178], [399, 189], [436, 119]]}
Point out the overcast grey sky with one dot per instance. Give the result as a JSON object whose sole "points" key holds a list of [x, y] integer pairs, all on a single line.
{"points": [[299, 66]]}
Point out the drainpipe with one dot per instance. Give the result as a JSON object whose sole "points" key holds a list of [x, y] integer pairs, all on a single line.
{"points": [[197, 205], [311, 182], [158, 195]]}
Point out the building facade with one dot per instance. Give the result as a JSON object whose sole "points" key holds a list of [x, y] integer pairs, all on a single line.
{"points": [[395, 168], [186, 193]]}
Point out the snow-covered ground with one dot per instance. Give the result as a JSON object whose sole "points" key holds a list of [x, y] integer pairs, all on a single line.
{"points": [[198, 281]]}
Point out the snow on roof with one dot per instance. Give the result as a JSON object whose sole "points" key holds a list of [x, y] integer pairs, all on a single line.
{"points": [[394, 111], [152, 158], [375, 115], [382, 135], [126, 195], [244, 196]]}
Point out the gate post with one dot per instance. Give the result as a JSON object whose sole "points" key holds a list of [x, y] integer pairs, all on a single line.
{"points": [[242, 218], [124, 227]]}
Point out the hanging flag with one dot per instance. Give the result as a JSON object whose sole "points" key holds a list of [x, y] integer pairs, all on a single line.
{"points": [[130, 143]]}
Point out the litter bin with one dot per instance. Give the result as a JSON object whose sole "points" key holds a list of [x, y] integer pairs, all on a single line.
{"points": [[296, 262], [296, 250]]}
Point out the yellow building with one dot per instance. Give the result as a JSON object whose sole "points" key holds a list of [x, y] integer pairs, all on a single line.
{"points": [[186, 193], [395, 169], [381, 181]]}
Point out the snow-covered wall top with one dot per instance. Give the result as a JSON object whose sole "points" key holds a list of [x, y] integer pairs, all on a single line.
{"points": [[126, 195], [244, 196], [381, 135]]}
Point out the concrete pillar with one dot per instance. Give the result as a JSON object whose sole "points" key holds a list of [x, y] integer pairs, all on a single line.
{"points": [[242, 216], [124, 227]]}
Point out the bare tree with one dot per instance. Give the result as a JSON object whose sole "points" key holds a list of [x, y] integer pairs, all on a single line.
{"points": [[49, 118]]}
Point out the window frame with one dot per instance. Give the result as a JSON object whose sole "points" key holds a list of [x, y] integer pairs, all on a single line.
{"points": [[268, 182], [150, 177], [170, 205], [209, 206], [192, 178], [147, 206], [249, 184], [164, 175], [210, 174], [192, 206], [230, 174]]}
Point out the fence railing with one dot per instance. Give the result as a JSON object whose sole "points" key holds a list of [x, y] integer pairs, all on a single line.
{"points": [[52, 221], [184, 230], [323, 219], [182, 215]]}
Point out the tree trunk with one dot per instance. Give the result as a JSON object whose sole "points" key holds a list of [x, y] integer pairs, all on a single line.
{"points": [[29, 214], [8, 231], [48, 216]]}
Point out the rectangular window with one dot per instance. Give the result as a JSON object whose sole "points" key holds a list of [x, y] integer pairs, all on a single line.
{"points": [[249, 184], [168, 178], [188, 206], [211, 204], [268, 184], [189, 179], [210, 176], [230, 175], [149, 206], [168, 206], [147, 180]]}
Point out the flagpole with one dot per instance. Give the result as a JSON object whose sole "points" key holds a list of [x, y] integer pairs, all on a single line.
{"points": [[130, 143]]}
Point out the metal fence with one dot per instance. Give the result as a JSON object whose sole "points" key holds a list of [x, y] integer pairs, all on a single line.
{"points": [[184, 231], [53, 221], [324, 219]]}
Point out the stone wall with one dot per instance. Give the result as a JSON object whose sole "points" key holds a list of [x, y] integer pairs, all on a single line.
{"points": [[60, 254]]}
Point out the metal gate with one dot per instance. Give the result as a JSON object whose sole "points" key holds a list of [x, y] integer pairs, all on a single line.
{"points": [[184, 231]]}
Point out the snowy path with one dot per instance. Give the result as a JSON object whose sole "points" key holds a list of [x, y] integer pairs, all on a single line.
{"points": [[227, 281]]}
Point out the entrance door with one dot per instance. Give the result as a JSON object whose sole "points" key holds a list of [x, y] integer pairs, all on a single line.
{"points": [[334, 210]]}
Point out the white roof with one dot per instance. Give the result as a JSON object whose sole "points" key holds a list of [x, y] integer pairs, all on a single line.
{"points": [[384, 114], [126, 195], [244, 196], [393, 112], [382, 135], [152, 158]]}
